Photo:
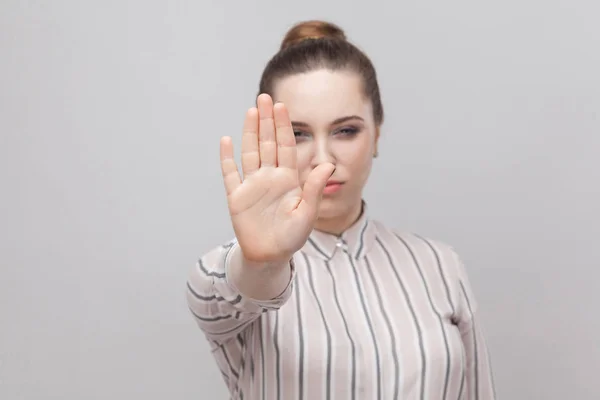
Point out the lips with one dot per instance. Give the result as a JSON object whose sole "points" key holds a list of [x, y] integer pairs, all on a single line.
{"points": [[331, 187]]}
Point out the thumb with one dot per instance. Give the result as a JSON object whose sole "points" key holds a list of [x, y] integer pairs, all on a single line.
{"points": [[314, 185]]}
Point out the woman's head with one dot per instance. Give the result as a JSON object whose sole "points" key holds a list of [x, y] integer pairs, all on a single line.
{"points": [[313, 45], [331, 92]]}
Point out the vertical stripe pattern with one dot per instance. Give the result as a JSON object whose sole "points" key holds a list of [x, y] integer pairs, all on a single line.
{"points": [[371, 314], [352, 383]]}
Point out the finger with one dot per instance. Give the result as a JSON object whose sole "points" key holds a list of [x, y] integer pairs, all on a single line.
{"points": [[266, 132], [286, 141], [250, 153], [231, 176], [313, 189]]}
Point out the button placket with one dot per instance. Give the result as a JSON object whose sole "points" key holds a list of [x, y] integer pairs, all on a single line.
{"points": [[342, 245]]}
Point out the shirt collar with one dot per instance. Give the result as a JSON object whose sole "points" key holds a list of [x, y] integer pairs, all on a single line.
{"points": [[356, 240]]}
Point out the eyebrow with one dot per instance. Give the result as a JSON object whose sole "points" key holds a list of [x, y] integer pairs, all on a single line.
{"points": [[335, 122]]}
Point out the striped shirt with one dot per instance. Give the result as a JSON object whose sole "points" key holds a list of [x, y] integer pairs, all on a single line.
{"points": [[371, 314]]}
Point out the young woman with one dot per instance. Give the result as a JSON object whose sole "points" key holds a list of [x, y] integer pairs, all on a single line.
{"points": [[313, 299]]}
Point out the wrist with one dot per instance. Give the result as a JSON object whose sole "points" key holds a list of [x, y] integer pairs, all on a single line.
{"points": [[260, 281], [266, 266]]}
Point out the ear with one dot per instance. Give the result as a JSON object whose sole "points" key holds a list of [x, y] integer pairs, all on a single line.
{"points": [[376, 142]]}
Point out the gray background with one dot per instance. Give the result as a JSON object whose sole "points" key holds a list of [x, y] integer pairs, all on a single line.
{"points": [[110, 118]]}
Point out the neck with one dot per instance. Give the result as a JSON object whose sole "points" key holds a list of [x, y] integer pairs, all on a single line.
{"points": [[336, 226]]}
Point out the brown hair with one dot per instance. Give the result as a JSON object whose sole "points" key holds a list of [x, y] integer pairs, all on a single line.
{"points": [[312, 45]]}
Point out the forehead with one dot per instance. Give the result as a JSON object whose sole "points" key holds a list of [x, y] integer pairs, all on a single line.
{"points": [[319, 97]]}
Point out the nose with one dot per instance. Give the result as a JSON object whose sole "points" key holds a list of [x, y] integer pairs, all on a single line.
{"points": [[321, 152]]}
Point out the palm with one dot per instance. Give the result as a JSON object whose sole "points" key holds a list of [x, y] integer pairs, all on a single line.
{"points": [[272, 215]]}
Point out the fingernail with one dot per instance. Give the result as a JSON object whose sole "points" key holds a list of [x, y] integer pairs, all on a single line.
{"points": [[332, 172]]}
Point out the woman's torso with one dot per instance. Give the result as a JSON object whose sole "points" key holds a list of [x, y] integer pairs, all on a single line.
{"points": [[370, 317]]}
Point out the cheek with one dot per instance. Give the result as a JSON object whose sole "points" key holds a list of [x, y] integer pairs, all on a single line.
{"points": [[359, 169], [356, 156]]}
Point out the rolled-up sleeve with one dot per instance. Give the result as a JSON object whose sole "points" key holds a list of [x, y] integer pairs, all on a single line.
{"points": [[219, 308]]}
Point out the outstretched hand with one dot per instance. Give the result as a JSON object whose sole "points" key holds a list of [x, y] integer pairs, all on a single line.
{"points": [[272, 215]]}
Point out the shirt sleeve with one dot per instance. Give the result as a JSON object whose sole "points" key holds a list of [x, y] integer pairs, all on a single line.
{"points": [[479, 382], [219, 308]]}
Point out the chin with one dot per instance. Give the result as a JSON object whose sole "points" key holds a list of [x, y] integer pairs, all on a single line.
{"points": [[332, 207]]}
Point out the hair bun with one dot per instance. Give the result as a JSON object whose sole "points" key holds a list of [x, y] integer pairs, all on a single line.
{"points": [[312, 30]]}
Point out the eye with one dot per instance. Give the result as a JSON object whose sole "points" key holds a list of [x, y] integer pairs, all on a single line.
{"points": [[301, 135], [347, 132]]}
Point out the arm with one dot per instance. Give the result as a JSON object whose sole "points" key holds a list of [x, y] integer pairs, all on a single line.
{"points": [[478, 383], [225, 294], [272, 217]]}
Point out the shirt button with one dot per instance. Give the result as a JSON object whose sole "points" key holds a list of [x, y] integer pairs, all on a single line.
{"points": [[340, 244]]}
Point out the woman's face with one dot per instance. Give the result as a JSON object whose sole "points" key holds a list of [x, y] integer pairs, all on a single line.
{"points": [[333, 122]]}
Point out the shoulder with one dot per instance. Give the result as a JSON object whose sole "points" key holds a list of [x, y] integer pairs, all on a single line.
{"points": [[421, 247], [413, 238], [431, 256]]}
